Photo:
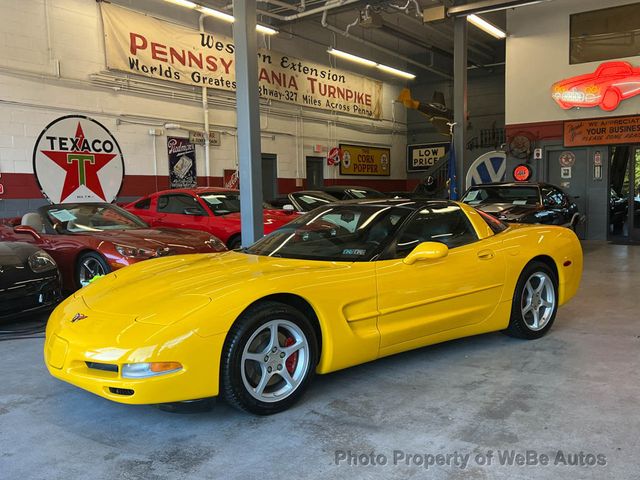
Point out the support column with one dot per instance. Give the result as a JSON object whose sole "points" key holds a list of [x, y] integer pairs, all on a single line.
{"points": [[248, 121], [460, 96]]}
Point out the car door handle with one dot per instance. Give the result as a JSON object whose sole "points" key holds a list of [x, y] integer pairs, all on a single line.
{"points": [[485, 255]]}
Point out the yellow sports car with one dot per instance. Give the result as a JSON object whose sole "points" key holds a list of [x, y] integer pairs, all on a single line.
{"points": [[342, 285]]}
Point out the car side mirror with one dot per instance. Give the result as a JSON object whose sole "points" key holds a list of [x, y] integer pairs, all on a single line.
{"points": [[427, 251], [27, 229], [193, 211]]}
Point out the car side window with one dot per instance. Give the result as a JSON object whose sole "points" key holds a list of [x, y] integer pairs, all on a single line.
{"points": [[180, 204], [143, 204], [447, 224]]}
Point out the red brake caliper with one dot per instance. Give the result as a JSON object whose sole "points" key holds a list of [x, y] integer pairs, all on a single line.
{"points": [[292, 361]]}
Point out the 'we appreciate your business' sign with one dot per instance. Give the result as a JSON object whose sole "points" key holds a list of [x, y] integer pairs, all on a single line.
{"points": [[144, 45]]}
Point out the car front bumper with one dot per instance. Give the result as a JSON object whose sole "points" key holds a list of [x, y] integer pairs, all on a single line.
{"points": [[97, 368]]}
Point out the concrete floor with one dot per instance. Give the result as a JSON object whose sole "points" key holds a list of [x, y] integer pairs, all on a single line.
{"points": [[575, 390]]}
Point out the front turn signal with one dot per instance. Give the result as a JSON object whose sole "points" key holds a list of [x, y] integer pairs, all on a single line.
{"points": [[150, 369]]}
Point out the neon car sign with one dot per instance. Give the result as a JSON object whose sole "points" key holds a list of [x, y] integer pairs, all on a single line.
{"points": [[611, 83]]}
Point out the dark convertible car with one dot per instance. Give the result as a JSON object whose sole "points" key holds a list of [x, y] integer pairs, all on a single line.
{"points": [[525, 203], [29, 280]]}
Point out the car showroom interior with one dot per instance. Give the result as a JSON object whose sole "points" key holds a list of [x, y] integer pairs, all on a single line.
{"points": [[262, 239]]}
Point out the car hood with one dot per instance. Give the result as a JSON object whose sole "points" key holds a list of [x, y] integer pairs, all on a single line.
{"points": [[152, 237], [154, 290], [508, 211], [13, 254]]}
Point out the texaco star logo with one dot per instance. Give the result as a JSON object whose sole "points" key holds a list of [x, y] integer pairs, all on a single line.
{"points": [[76, 159]]}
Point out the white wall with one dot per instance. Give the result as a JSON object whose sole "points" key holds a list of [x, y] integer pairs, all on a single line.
{"points": [[47, 37], [538, 56]]}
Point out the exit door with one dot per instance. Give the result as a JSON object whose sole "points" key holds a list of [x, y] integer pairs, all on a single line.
{"points": [[624, 201], [269, 177], [315, 172], [570, 175]]}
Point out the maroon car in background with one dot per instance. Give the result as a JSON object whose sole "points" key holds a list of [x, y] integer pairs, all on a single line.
{"points": [[89, 239], [211, 209]]}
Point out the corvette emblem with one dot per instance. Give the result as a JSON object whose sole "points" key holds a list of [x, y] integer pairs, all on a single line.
{"points": [[77, 317]]}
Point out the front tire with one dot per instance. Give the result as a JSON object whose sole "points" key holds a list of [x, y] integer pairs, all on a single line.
{"points": [[89, 265], [535, 302], [268, 359]]}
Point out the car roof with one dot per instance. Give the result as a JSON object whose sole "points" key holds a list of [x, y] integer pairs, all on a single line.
{"points": [[413, 204], [196, 190], [342, 188], [510, 184]]}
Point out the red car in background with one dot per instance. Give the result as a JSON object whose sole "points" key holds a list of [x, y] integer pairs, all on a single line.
{"points": [[214, 210], [89, 239], [611, 83]]}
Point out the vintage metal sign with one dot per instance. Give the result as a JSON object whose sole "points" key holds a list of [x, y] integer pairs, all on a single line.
{"points": [[602, 131], [359, 160], [143, 45], [182, 163], [76, 159], [423, 157]]}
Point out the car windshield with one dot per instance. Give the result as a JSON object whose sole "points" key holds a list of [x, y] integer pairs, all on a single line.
{"points": [[307, 201], [222, 203], [365, 193], [349, 233], [515, 195], [82, 218]]}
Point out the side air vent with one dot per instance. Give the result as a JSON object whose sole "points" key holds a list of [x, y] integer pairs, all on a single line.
{"points": [[107, 367]]}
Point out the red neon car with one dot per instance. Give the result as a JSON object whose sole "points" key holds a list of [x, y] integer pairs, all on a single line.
{"points": [[214, 210], [89, 239], [611, 83]]}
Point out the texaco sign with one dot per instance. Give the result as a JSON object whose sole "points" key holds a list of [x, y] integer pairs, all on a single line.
{"points": [[76, 159]]}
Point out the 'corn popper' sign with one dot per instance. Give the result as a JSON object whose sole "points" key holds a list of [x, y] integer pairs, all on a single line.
{"points": [[143, 45]]}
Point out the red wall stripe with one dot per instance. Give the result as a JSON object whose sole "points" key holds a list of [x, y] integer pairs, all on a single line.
{"points": [[24, 185]]}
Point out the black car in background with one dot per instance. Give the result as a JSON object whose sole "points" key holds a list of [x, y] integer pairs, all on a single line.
{"points": [[29, 280], [307, 200], [342, 192], [525, 203]]}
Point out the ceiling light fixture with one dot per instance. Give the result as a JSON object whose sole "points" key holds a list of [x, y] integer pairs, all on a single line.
{"points": [[350, 57], [395, 71], [370, 63], [219, 15], [486, 26]]}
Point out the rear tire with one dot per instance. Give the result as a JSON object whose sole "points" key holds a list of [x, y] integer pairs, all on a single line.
{"points": [[535, 302], [268, 359]]}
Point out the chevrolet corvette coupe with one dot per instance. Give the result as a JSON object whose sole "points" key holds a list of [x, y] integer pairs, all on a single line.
{"points": [[339, 286], [90, 239]]}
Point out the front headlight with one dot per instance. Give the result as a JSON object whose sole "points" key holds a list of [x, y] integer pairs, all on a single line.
{"points": [[41, 261], [142, 370], [133, 252], [215, 243]]}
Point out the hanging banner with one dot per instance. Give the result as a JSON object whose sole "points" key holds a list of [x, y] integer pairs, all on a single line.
{"points": [[143, 45], [182, 163], [359, 160], [422, 157]]}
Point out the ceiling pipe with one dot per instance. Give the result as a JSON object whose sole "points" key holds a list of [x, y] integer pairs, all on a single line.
{"points": [[484, 6], [330, 5], [277, 3], [375, 46], [405, 9]]}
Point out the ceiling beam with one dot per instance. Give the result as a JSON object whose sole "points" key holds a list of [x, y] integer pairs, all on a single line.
{"points": [[484, 6]]}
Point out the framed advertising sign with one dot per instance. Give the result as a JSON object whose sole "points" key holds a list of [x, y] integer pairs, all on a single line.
{"points": [[182, 163], [424, 156], [369, 161], [602, 131]]}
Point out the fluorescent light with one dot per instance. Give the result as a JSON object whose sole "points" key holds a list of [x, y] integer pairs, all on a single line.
{"points": [[353, 58], [216, 13], [220, 15], [486, 26], [395, 71], [370, 63], [266, 30], [183, 3]]}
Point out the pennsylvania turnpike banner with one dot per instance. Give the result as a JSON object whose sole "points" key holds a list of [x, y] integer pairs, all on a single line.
{"points": [[143, 45]]}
